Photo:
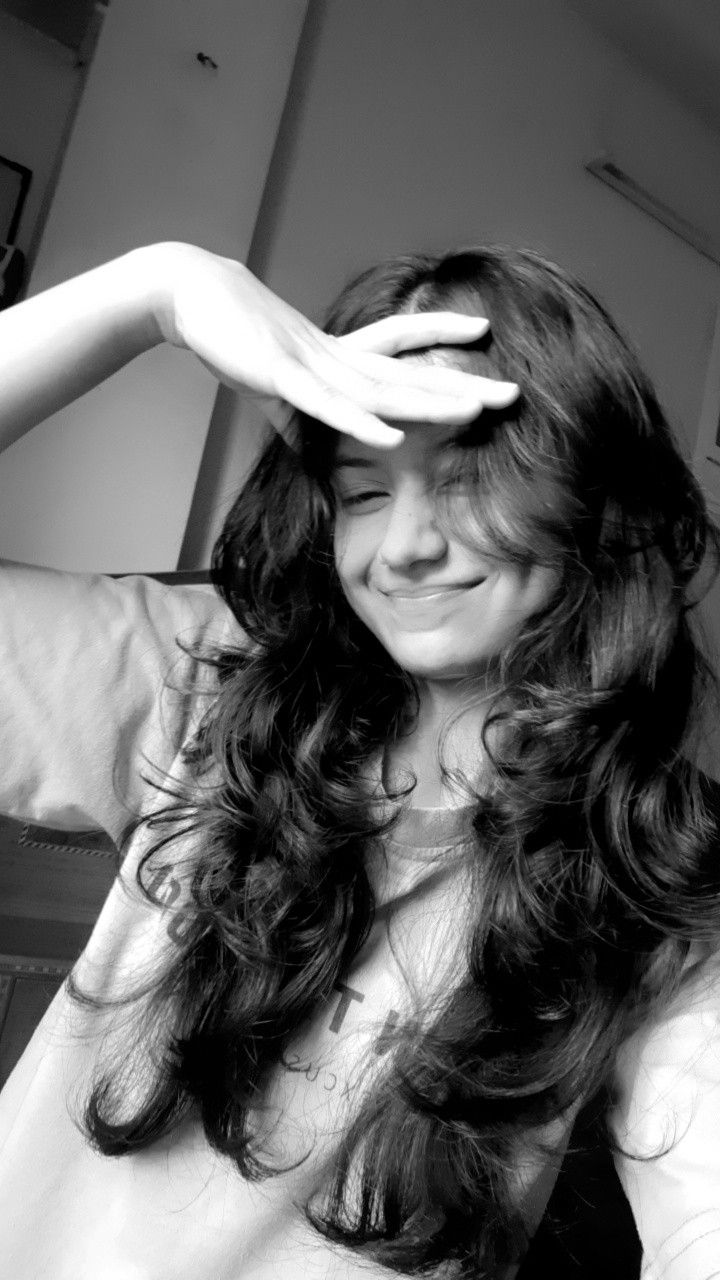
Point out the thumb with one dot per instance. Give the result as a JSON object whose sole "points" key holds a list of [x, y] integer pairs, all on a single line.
{"points": [[282, 418]]}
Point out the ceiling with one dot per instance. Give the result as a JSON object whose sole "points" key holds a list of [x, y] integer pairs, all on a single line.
{"points": [[66, 21], [677, 41]]}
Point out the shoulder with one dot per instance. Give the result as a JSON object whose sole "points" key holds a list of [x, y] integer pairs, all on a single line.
{"points": [[54, 609]]}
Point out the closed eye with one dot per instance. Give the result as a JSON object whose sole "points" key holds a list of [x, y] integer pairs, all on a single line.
{"points": [[357, 499]]}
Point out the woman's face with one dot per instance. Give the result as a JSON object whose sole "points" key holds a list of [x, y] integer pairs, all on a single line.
{"points": [[442, 610]]}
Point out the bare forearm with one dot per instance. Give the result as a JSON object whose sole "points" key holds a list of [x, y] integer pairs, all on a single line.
{"points": [[65, 341], [61, 343]]}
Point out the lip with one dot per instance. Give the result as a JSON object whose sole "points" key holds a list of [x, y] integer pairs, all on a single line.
{"points": [[434, 591]]}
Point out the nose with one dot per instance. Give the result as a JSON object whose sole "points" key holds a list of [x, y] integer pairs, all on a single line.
{"points": [[411, 534]]}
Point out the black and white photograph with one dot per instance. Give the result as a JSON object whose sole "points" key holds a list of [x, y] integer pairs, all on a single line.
{"points": [[359, 639]]}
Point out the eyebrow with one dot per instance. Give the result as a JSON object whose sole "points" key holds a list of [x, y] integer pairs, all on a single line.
{"points": [[460, 438], [353, 462]]}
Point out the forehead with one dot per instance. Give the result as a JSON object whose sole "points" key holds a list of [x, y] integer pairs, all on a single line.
{"points": [[423, 443]]}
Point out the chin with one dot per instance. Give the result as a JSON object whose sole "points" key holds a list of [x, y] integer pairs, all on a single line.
{"points": [[428, 666]]}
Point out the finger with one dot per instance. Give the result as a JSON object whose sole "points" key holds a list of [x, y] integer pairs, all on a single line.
{"points": [[301, 389], [419, 329], [410, 404], [335, 361], [282, 418], [364, 412], [392, 389], [496, 394], [437, 380], [383, 400]]}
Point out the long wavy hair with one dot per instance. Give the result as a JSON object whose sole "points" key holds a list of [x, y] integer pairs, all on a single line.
{"points": [[595, 862]]}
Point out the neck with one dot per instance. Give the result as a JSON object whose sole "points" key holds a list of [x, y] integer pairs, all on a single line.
{"points": [[449, 725], [443, 701]]}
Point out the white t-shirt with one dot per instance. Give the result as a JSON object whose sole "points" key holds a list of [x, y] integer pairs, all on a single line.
{"points": [[82, 663]]}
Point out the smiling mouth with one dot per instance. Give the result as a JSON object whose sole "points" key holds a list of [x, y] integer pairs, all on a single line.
{"points": [[432, 593]]}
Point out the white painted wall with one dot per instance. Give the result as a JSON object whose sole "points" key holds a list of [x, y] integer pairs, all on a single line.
{"points": [[38, 85], [162, 148], [424, 125]]}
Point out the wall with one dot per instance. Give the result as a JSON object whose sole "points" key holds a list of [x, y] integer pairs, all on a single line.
{"points": [[162, 148], [419, 125], [67, 21], [39, 82]]}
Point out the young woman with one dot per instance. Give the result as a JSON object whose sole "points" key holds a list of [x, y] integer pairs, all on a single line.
{"points": [[418, 865]]}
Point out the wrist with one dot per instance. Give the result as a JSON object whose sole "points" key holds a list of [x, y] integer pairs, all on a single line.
{"points": [[158, 270]]}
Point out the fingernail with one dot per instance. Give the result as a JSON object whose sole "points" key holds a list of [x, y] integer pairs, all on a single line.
{"points": [[507, 390], [478, 324], [388, 439]]}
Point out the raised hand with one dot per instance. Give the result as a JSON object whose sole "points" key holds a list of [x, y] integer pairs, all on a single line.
{"points": [[259, 345]]}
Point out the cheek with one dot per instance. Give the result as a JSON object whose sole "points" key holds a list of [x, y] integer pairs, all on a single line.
{"points": [[340, 553], [542, 583], [529, 590], [353, 548], [347, 564]]}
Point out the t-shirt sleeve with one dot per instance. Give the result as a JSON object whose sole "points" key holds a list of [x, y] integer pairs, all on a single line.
{"points": [[669, 1102], [91, 690]]}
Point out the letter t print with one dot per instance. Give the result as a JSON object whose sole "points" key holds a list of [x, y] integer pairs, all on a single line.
{"points": [[348, 995]]}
